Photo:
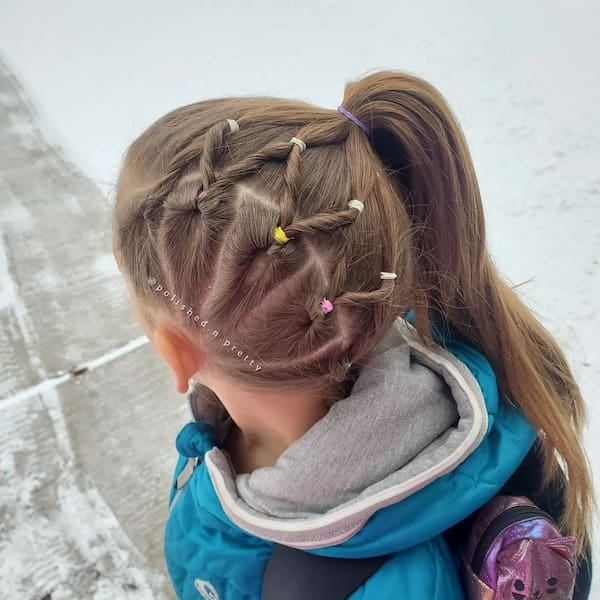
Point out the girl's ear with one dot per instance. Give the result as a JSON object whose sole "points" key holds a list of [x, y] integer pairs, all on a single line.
{"points": [[179, 353]]}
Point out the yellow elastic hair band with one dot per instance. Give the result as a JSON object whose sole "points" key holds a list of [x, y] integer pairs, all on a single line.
{"points": [[279, 235]]}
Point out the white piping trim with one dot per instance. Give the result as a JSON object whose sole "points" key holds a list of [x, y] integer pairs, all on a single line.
{"points": [[366, 507]]}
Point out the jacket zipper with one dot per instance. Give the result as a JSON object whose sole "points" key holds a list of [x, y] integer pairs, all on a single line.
{"points": [[498, 524]]}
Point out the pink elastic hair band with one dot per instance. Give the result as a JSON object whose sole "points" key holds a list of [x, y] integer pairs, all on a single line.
{"points": [[326, 305]]}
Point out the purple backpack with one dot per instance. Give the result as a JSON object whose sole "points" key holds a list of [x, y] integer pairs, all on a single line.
{"points": [[515, 552]]}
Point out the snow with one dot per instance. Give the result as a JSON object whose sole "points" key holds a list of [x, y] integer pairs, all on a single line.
{"points": [[523, 79], [29, 550]]}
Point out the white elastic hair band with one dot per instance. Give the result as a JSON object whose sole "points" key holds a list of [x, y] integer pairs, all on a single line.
{"points": [[233, 125], [357, 204], [298, 143], [384, 275]]}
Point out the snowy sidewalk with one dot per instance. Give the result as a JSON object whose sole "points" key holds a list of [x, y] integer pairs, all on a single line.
{"points": [[85, 459]]}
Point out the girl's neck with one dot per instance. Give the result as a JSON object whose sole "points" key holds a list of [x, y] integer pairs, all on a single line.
{"points": [[265, 422], [243, 459]]}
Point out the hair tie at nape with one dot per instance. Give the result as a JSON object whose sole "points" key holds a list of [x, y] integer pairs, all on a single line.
{"points": [[233, 125], [356, 121]]}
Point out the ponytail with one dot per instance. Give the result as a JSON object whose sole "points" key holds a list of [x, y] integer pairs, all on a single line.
{"points": [[423, 151]]}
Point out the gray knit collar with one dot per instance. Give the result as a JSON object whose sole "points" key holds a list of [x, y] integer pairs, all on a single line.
{"points": [[413, 414]]}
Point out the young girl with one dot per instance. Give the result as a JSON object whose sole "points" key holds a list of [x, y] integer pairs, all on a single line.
{"points": [[362, 379]]}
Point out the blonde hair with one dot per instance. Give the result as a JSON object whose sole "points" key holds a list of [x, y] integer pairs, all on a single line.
{"points": [[422, 220]]}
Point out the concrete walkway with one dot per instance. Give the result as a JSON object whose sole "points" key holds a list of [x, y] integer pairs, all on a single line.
{"points": [[85, 456]]}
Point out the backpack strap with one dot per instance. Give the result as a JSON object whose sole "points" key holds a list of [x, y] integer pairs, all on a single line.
{"points": [[293, 574]]}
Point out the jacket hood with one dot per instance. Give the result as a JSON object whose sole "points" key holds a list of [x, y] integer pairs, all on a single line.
{"points": [[413, 417]]}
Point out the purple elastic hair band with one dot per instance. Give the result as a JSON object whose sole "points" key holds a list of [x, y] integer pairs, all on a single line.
{"points": [[354, 119]]}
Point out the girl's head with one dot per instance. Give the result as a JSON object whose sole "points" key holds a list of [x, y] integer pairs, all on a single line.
{"points": [[204, 190]]}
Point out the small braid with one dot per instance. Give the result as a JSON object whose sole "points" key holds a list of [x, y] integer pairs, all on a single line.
{"points": [[324, 222], [212, 155], [292, 179], [383, 294], [248, 166], [338, 277]]}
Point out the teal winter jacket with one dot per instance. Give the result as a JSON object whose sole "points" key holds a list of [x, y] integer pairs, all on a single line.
{"points": [[422, 441]]}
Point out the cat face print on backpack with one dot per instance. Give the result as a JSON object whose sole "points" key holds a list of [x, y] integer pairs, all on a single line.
{"points": [[519, 586], [516, 552], [530, 560]]}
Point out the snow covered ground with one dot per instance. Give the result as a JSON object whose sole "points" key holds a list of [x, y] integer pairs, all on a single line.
{"points": [[76, 519]]}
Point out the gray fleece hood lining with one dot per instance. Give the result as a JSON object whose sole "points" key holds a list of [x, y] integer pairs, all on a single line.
{"points": [[414, 414]]}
